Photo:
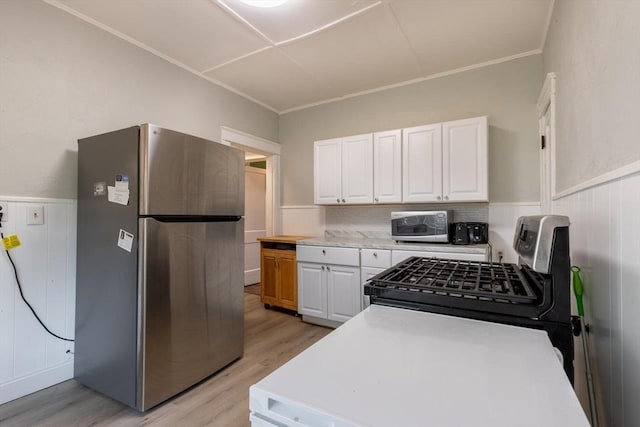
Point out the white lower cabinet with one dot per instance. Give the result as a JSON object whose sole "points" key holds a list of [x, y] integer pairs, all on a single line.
{"points": [[326, 289], [312, 290], [372, 263], [343, 292], [331, 279]]}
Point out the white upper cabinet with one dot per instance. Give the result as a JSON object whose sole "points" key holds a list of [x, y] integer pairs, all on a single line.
{"points": [[422, 164], [343, 170], [387, 166], [357, 169], [465, 160], [327, 171], [442, 162]]}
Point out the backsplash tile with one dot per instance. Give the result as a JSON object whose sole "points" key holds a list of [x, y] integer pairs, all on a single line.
{"points": [[374, 221]]}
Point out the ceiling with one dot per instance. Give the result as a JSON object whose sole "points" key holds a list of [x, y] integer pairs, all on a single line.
{"points": [[306, 52]]}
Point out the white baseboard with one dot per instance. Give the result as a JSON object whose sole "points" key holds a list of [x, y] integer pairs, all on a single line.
{"points": [[35, 381], [251, 276]]}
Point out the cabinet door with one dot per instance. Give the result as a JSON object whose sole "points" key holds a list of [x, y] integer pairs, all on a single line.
{"points": [[312, 290], [357, 169], [464, 160], [367, 273], [387, 167], [288, 283], [343, 287], [327, 171], [422, 164], [268, 277]]}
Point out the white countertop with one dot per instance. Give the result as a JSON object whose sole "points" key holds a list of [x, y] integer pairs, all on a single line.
{"points": [[377, 243], [397, 367]]}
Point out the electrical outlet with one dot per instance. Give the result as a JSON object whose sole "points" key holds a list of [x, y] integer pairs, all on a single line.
{"points": [[35, 215], [4, 208]]}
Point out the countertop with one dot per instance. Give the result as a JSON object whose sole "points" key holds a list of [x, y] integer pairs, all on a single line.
{"points": [[396, 367], [283, 239], [382, 243]]}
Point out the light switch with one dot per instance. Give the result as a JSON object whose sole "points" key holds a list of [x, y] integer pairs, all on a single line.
{"points": [[35, 215]]}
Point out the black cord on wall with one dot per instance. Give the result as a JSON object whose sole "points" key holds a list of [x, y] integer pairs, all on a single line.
{"points": [[15, 273]]}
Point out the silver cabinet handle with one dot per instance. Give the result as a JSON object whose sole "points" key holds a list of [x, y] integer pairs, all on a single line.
{"points": [[376, 200], [446, 197], [324, 252], [322, 268], [375, 254], [338, 200], [328, 269], [439, 198], [343, 201]]}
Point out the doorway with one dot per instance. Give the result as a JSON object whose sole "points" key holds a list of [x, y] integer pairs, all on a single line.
{"points": [[268, 154], [255, 172], [546, 131]]}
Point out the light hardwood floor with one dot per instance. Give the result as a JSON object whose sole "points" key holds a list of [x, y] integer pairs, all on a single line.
{"points": [[271, 339]]}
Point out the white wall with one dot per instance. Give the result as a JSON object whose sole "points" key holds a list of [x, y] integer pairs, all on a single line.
{"points": [[594, 49], [62, 79], [605, 244], [30, 359], [506, 92]]}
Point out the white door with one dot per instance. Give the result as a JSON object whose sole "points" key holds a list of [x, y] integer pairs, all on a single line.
{"points": [[343, 288], [422, 164], [357, 169], [312, 290], [464, 160], [254, 221], [327, 171], [545, 160], [387, 167]]}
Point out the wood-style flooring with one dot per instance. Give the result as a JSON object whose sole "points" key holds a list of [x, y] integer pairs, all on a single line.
{"points": [[271, 339]]}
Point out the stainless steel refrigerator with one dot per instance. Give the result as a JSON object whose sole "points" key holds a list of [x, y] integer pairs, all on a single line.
{"points": [[159, 289]]}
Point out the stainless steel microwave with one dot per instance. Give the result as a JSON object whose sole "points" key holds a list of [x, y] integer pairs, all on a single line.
{"points": [[421, 226]]}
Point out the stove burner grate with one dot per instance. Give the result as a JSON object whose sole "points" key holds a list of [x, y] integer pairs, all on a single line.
{"points": [[467, 279]]}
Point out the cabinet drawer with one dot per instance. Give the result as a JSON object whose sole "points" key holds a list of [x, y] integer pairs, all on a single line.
{"points": [[380, 258], [329, 255]]}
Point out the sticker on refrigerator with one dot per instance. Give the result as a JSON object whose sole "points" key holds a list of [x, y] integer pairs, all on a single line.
{"points": [[99, 188], [122, 183], [125, 240]]}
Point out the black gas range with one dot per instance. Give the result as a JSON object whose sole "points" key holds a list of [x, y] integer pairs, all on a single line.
{"points": [[534, 293]]}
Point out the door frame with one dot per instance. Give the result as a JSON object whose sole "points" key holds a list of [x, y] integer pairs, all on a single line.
{"points": [[255, 144], [547, 103]]}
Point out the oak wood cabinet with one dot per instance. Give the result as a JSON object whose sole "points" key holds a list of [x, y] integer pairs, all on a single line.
{"points": [[278, 272]]}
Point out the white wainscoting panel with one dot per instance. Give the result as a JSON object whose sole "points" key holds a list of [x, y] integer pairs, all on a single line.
{"points": [[605, 244], [303, 220], [31, 359]]}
